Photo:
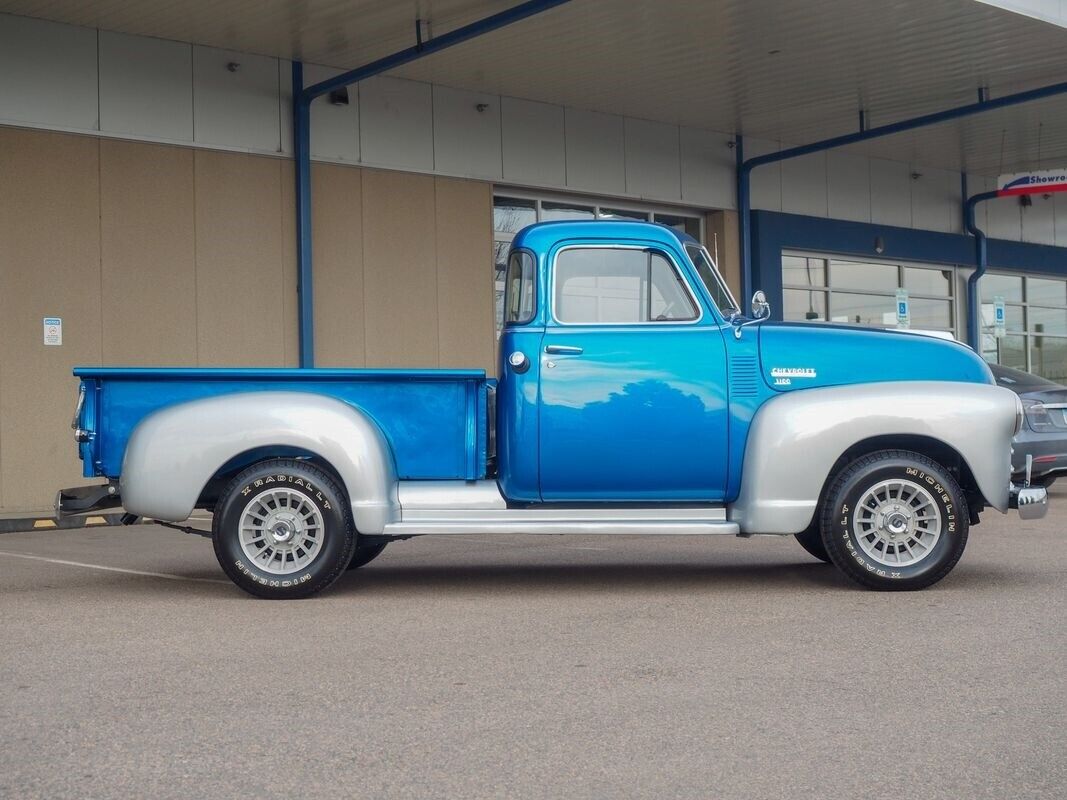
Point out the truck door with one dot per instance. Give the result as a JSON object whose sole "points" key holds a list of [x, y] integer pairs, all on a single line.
{"points": [[632, 380]]}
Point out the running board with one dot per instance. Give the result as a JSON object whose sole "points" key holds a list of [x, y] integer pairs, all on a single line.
{"points": [[622, 525], [455, 507]]}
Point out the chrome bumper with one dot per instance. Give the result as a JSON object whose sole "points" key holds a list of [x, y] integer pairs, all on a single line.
{"points": [[1031, 501]]}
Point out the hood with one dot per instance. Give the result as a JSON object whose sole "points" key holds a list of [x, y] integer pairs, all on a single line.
{"points": [[806, 355]]}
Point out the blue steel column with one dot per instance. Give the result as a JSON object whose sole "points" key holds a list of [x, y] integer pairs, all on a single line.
{"points": [[302, 151], [744, 220], [981, 260]]}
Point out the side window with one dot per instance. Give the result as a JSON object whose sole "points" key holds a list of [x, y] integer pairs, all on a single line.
{"points": [[519, 288], [619, 286]]}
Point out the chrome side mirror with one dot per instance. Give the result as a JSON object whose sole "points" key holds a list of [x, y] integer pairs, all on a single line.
{"points": [[761, 309]]}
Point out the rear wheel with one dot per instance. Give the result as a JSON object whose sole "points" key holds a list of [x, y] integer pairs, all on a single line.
{"points": [[895, 520], [283, 529]]}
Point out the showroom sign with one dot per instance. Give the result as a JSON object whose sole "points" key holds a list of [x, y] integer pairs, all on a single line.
{"points": [[1037, 182]]}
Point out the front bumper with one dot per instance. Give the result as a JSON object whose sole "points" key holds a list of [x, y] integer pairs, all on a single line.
{"points": [[87, 499], [1030, 501]]}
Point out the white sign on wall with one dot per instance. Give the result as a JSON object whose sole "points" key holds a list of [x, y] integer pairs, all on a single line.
{"points": [[53, 331], [903, 311], [999, 320]]}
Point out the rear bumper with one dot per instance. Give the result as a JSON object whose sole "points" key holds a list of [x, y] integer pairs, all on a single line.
{"points": [[87, 499], [1030, 501]]}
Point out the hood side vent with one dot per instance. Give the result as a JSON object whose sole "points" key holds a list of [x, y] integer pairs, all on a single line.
{"points": [[744, 376]]}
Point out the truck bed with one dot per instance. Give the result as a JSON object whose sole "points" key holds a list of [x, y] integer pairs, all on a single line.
{"points": [[435, 420]]}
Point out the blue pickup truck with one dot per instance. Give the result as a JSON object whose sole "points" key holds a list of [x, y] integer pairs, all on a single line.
{"points": [[633, 397]]}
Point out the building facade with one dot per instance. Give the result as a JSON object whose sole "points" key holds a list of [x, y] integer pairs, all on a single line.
{"points": [[147, 200]]}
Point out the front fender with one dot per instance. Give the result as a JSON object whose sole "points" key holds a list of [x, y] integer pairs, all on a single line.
{"points": [[173, 453], [796, 438]]}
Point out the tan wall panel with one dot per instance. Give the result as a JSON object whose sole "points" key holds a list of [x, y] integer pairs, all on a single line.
{"points": [[399, 281], [49, 266], [148, 254], [241, 283], [337, 214], [465, 307]]}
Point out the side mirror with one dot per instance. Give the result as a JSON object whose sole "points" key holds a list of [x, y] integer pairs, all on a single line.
{"points": [[761, 309]]}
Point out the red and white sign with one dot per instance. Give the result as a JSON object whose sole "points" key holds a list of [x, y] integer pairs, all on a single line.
{"points": [[1040, 182]]}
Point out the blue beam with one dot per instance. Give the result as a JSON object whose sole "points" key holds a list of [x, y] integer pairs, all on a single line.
{"points": [[302, 152], [981, 261], [302, 97], [744, 215], [438, 43], [983, 104]]}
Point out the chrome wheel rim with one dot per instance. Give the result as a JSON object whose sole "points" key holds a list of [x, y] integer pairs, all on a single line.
{"points": [[281, 531], [897, 523]]}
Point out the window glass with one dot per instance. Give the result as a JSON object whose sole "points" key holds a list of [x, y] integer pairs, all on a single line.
{"points": [[928, 281], [668, 300], [690, 225], [867, 277], [557, 211], [802, 271], [620, 286], [711, 279], [511, 215], [1011, 351], [521, 288], [614, 213], [1046, 292], [500, 266], [1047, 320], [1010, 287], [929, 313], [799, 304], [1048, 357], [863, 309]]}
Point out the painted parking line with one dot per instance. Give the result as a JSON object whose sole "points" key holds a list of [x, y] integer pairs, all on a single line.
{"points": [[165, 575]]}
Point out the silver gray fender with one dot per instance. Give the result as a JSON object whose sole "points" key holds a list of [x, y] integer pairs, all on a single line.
{"points": [[796, 437], [174, 452]]}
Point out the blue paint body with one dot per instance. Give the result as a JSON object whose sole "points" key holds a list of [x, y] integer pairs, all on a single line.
{"points": [[658, 412], [435, 420]]}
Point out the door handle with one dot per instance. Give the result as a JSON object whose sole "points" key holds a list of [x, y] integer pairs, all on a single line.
{"points": [[563, 350]]}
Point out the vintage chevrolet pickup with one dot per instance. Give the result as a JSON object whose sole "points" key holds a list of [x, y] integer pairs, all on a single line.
{"points": [[633, 398]]}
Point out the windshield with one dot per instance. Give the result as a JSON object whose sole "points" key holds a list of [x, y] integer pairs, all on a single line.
{"points": [[710, 276]]}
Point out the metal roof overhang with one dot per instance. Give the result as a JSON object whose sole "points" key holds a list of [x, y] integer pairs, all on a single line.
{"points": [[782, 71]]}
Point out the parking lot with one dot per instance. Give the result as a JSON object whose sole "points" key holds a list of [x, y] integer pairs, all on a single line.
{"points": [[533, 667]]}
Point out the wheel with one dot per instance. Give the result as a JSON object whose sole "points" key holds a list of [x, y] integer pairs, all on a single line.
{"points": [[811, 540], [283, 529], [895, 520], [365, 554]]}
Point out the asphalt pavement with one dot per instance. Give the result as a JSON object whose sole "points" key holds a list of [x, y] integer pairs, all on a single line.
{"points": [[533, 667]]}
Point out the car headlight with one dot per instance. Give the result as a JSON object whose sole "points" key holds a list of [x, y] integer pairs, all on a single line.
{"points": [[1018, 415]]}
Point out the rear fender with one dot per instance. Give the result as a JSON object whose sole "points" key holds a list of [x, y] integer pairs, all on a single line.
{"points": [[796, 438], [173, 453]]}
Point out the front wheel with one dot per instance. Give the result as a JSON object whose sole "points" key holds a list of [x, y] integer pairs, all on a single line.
{"points": [[895, 520], [283, 529]]}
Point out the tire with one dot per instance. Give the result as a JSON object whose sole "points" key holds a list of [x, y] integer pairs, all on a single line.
{"points": [[811, 540], [283, 530], [365, 554], [894, 521]]}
